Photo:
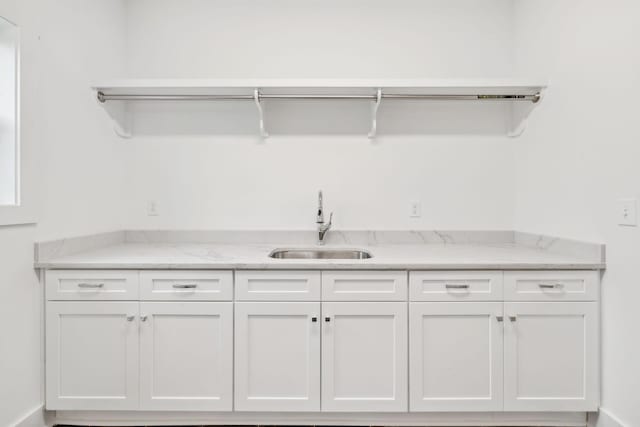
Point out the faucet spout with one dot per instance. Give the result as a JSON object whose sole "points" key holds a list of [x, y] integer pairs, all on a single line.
{"points": [[323, 227]]}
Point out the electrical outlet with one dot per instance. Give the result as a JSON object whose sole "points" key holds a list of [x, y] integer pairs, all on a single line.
{"points": [[415, 210], [628, 212], [152, 208]]}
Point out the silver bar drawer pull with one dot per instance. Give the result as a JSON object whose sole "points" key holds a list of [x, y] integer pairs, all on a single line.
{"points": [[550, 286], [188, 286], [452, 286], [91, 285]]}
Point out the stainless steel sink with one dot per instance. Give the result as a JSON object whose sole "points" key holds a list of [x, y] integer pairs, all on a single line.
{"points": [[320, 254]]}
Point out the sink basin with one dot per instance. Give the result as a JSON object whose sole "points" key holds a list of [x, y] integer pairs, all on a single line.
{"points": [[320, 254]]}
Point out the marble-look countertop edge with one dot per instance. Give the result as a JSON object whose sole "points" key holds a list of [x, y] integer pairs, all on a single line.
{"points": [[320, 266]]}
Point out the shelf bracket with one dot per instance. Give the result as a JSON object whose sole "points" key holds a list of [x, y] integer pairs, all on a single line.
{"points": [[118, 112], [374, 115], [520, 113], [256, 98]]}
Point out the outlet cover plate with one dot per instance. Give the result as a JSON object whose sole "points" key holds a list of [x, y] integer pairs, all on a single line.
{"points": [[627, 212]]}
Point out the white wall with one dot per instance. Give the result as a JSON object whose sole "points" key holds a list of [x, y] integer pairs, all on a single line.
{"points": [[20, 332], [64, 45], [83, 173], [238, 182], [581, 153]]}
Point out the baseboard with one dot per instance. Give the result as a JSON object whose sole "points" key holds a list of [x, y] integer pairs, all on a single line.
{"points": [[405, 419], [35, 418], [604, 419]]}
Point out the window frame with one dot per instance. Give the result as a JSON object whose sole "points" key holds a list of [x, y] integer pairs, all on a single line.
{"points": [[23, 212]]}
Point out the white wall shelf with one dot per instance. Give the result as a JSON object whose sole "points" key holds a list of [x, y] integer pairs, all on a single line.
{"points": [[520, 96]]}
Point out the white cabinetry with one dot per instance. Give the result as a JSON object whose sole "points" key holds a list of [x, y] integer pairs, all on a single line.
{"points": [[277, 356], [116, 355], [185, 354], [456, 356], [92, 355], [364, 356], [488, 343], [551, 356]]}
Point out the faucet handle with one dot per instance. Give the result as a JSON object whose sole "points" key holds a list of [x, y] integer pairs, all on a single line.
{"points": [[330, 218]]}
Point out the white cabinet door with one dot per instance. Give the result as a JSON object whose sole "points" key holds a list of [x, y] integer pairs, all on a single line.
{"points": [[277, 356], [186, 356], [364, 356], [92, 355], [551, 356], [456, 356]]}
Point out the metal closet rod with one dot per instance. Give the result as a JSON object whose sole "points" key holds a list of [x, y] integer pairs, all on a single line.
{"points": [[103, 97]]}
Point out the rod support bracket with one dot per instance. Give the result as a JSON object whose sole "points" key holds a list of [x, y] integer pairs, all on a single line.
{"points": [[256, 98], [374, 114]]}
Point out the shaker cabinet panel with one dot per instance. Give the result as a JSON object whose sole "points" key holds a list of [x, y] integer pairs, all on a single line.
{"points": [[186, 354], [277, 356], [551, 357], [456, 356], [364, 357], [92, 355]]}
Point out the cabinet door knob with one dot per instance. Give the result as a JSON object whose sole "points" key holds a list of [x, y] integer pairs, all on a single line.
{"points": [[513, 318], [130, 318], [314, 319], [500, 318], [327, 319], [144, 317]]}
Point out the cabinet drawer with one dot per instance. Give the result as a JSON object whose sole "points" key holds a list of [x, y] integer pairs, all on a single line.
{"points": [[277, 285], [551, 285], [455, 285], [364, 285], [73, 285], [186, 285]]}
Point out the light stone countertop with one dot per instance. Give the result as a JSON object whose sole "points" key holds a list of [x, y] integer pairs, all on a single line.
{"points": [[240, 255]]}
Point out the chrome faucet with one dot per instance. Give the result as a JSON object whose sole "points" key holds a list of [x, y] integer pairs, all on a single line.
{"points": [[322, 226]]}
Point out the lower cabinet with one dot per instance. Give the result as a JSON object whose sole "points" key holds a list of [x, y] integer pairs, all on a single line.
{"points": [[364, 356], [111, 355], [549, 361], [456, 356], [92, 355], [551, 356], [277, 356], [186, 362], [451, 352]]}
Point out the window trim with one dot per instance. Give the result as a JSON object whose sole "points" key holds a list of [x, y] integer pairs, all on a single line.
{"points": [[23, 212]]}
